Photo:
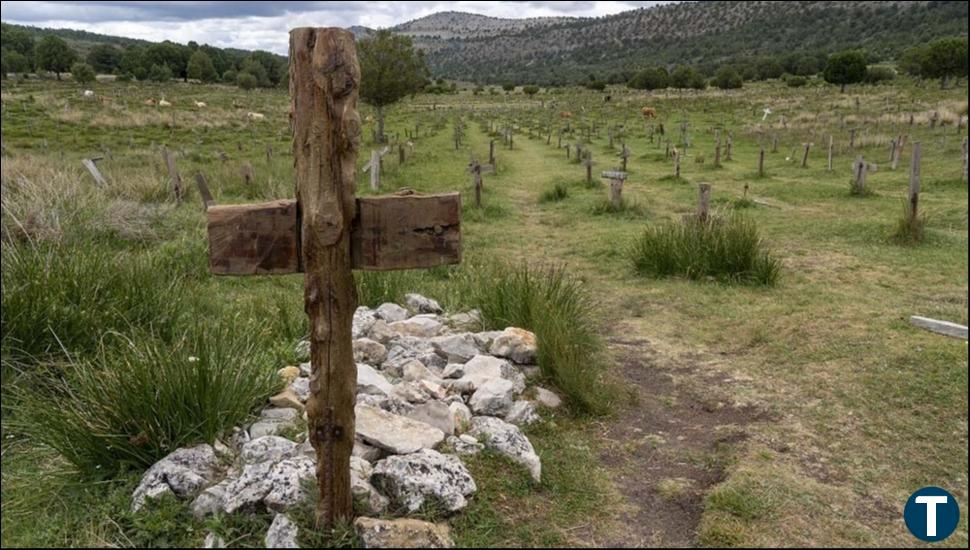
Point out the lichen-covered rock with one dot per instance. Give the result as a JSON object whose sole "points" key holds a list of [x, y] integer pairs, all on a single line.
{"points": [[288, 374], [493, 397], [270, 447], [282, 533], [464, 445], [393, 433], [248, 489], [402, 533], [369, 351], [516, 344], [367, 500], [508, 440], [288, 481], [301, 387], [371, 382], [419, 304], [419, 326], [522, 413], [461, 414], [484, 339], [364, 319], [273, 421], [380, 332], [482, 368], [435, 413], [456, 348], [409, 392], [426, 477], [392, 312], [184, 472]]}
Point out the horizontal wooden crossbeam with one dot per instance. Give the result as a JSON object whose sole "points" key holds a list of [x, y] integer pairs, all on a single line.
{"points": [[389, 232]]}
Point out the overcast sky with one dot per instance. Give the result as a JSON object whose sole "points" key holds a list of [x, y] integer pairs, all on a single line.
{"points": [[264, 25]]}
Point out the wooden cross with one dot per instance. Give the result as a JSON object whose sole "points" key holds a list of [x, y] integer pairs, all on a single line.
{"points": [[325, 233], [860, 169], [616, 178]]}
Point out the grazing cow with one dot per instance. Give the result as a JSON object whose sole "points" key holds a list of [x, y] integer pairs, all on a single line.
{"points": [[151, 102], [88, 93], [565, 114], [255, 116], [163, 103], [199, 104], [648, 112]]}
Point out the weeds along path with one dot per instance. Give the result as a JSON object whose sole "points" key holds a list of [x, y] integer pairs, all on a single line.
{"points": [[670, 441]]}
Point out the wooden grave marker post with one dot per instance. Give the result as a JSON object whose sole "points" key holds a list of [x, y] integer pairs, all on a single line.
{"points": [[93, 169], [831, 145], [207, 200], [173, 174], [860, 169], [703, 201], [325, 233], [761, 162], [624, 155], [616, 187], [588, 163], [914, 182], [807, 146]]}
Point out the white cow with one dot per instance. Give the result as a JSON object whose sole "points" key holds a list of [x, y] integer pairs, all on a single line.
{"points": [[200, 104], [88, 93], [255, 116], [163, 103]]}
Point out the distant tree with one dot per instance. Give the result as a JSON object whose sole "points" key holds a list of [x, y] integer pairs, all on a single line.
{"points": [[104, 58], [913, 61], [728, 79], [14, 62], [848, 67], [597, 85], [530, 90], [82, 73], [229, 76], [654, 78], [682, 77], [769, 68], [698, 82], [159, 73], [795, 81], [54, 55], [391, 69], [133, 62], [200, 67], [945, 58], [246, 81], [258, 71], [508, 86], [170, 54], [271, 74], [17, 40]]}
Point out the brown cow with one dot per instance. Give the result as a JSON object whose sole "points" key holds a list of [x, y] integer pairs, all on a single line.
{"points": [[648, 112], [151, 102], [565, 114]]}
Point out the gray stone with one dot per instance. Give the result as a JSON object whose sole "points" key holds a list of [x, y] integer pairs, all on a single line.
{"points": [[395, 434], [210, 501], [367, 500], [508, 440], [391, 312], [484, 339], [415, 370], [548, 398], [463, 447], [282, 533], [493, 398], [453, 370], [433, 388], [269, 426], [482, 368], [366, 452], [213, 541], [364, 319], [301, 387], [455, 348], [380, 332], [369, 351], [184, 472], [417, 326], [516, 344], [409, 392], [247, 490], [370, 381], [435, 413], [469, 320], [419, 304], [402, 533], [288, 481], [425, 477], [272, 448], [281, 415], [461, 414], [522, 413], [302, 350]]}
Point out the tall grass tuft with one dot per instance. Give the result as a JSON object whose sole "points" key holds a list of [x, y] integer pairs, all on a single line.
{"points": [[910, 229], [138, 399], [56, 296], [557, 193], [728, 249], [558, 309]]}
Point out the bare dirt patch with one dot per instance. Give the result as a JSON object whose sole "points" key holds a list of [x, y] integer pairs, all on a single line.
{"points": [[669, 446]]}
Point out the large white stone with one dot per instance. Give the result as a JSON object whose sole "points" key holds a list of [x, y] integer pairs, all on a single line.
{"points": [[392, 312], [547, 398], [435, 413], [184, 472], [371, 382], [364, 319], [423, 478], [494, 397], [367, 500], [267, 448], [455, 348], [508, 440], [282, 533], [393, 433]]}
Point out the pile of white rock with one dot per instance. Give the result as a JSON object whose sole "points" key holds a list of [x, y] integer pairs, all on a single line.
{"points": [[429, 390]]}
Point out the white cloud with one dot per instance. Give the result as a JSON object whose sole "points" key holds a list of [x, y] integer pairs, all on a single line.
{"points": [[264, 25]]}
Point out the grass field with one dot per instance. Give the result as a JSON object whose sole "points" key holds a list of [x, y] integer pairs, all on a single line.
{"points": [[803, 412]]}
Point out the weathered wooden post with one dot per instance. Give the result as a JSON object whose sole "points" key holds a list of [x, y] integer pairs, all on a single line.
{"points": [[207, 200], [703, 201], [93, 169], [831, 145], [774, 143], [805, 155], [400, 154], [761, 162], [717, 149], [247, 173], [567, 151], [914, 182], [491, 152], [477, 181], [676, 163], [173, 174], [624, 155], [897, 152], [852, 138], [860, 169], [588, 163], [616, 188], [730, 146]]}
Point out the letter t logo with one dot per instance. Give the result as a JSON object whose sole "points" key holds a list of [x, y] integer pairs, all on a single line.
{"points": [[931, 502]]}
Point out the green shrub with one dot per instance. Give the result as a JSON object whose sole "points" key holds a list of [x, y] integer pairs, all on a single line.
{"points": [[159, 73], [82, 73], [138, 399], [795, 81], [910, 230], [246, 81], [724, 249], [877, 74], [557, 193]]}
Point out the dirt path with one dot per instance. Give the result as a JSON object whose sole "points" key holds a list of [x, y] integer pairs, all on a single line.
{"points": [[670, 445]]}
